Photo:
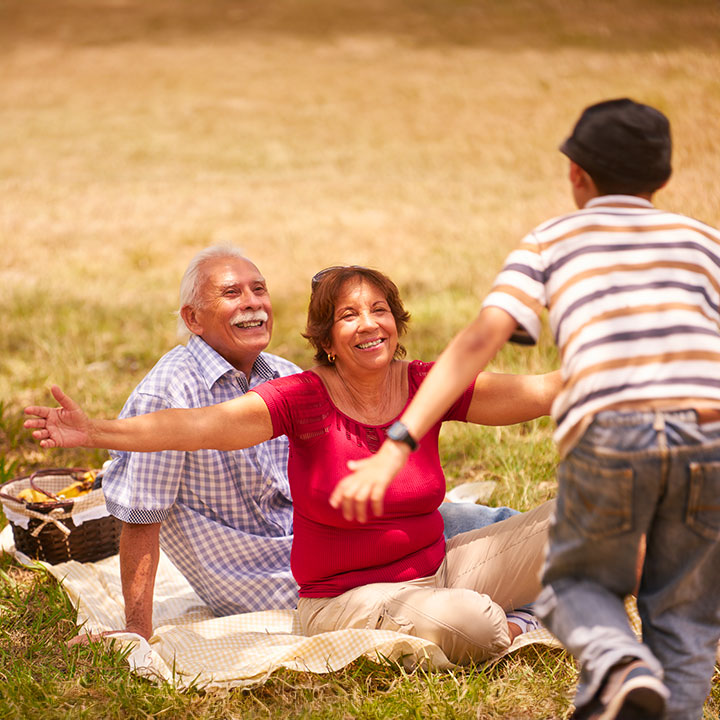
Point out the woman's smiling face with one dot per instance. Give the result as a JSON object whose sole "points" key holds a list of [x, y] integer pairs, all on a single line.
{"points": [[364, 334]]}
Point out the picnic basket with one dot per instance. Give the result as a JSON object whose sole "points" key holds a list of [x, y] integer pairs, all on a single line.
{"points": [[60, 529]]}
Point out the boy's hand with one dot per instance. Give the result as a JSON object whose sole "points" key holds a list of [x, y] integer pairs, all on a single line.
{"points": [[368, 482]]}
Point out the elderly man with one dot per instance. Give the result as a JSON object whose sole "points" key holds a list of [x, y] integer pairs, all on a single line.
{"points": [[224, 518]]}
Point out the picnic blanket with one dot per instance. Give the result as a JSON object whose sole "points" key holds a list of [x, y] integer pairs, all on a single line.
{"points": [[192, 647]]}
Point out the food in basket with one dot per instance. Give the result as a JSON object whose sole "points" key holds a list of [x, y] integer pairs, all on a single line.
{"points": [[73, 490], [29, 495]]}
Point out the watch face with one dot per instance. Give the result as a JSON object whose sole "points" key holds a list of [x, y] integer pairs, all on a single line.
{"points": [[395, 433], [399, 433]]}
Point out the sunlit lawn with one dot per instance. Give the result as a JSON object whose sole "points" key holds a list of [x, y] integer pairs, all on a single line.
{"points": [[414, 136]]}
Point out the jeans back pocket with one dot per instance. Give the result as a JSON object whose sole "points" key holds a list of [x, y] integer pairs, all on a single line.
{"points": [[703, 509], [596, 500]]}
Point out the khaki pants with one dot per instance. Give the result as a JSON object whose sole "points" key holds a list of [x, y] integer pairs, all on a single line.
{"points": [[462, 607]]}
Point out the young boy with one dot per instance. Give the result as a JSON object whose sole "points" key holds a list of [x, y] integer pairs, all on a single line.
{"points": [[633, 295]]}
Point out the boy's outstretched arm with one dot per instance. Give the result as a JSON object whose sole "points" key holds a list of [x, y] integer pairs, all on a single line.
{"points": [[467, 354]]}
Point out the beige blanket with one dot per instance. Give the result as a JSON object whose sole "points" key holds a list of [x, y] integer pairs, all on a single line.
{"points": [[192, 646]]}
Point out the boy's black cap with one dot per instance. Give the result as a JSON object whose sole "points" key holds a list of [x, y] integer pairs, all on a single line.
{"points": [[622, 140]]}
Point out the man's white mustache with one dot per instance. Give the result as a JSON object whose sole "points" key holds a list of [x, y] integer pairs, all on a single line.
{"points": [[249, 316]]}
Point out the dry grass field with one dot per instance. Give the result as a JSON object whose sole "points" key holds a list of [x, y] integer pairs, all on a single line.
{"points": [[416, 136]]}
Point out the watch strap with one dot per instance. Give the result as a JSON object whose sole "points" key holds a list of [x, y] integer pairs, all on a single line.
{"points": [[399, 433]]}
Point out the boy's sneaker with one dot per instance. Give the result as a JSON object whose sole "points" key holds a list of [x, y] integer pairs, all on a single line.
{"points": [[630, 692]]}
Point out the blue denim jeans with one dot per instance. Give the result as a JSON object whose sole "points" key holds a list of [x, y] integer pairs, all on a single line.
{"points": [[633, 474], [466, 516]]}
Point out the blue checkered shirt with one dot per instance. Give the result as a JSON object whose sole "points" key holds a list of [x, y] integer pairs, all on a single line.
{"points": [[226, 516]]}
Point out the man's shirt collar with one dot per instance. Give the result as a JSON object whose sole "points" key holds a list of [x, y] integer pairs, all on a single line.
{"points": [[213, 366]]}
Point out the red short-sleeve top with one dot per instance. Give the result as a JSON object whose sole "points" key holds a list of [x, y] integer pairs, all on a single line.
{"points": [[329, 554]]}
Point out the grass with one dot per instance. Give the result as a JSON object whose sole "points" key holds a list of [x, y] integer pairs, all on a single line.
{"points": [[45, 679], [414, 136]]}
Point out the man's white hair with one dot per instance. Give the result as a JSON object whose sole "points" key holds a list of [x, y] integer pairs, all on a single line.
{"points": [[193, 277]]}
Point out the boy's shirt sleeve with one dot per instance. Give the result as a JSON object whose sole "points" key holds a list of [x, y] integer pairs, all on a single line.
{"points": [[519, 289]]}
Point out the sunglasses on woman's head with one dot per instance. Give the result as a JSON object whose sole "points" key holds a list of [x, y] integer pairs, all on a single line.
{"points": [[318, 276]]}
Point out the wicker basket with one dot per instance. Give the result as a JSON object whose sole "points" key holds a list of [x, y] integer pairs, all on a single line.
{"points": [[52, 534]]}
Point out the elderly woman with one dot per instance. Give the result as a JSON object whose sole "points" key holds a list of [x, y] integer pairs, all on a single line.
{"points": [[391, 569]]}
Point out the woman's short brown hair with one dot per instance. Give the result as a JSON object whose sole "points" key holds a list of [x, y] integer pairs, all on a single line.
{"points": [[326, 287]]}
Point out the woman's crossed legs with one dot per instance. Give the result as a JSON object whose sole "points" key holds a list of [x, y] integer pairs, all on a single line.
{"points": [[462, 607]]}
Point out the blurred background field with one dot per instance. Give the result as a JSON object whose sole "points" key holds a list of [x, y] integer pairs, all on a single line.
{"points": [[416, 136]]}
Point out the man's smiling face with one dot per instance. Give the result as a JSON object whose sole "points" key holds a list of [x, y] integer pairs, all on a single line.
{"points": [[234, 313]]}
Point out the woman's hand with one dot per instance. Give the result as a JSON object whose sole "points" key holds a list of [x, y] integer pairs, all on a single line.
{"points": [[67, 426], [368, 482]]}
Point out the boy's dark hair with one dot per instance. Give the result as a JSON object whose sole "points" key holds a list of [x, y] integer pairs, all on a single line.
{"points": [[623, 145]]}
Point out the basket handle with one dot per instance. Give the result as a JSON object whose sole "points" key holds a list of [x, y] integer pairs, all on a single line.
{"points": [[5, 496], [53, 471], [39, 473]]}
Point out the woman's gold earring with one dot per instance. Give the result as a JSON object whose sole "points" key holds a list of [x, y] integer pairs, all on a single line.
{"points": [[331, 358]]}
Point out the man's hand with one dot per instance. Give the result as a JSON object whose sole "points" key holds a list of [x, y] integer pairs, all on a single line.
{"points": [[88, 638], [67, 426], [369, 482]]}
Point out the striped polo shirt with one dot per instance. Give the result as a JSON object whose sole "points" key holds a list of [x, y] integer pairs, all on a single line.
{"points": [[633, 296]]}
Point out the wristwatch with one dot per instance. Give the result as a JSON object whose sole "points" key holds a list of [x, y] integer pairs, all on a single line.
{"points": [[399, 433]]}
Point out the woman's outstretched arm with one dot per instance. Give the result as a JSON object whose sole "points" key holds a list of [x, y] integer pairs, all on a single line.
{"points": [[231, 425], [500, 399]]}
